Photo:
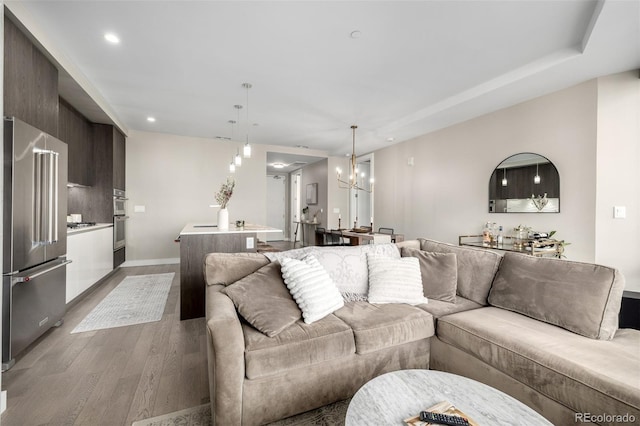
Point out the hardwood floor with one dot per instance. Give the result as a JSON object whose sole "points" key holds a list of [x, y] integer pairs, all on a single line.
{"points": [[114, 376]]}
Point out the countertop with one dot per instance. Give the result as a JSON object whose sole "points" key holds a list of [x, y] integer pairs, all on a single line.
{"points": [[204, 228], [74, 231]]}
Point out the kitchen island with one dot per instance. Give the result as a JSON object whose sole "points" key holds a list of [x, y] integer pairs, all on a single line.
{"points": [[196, 241]]}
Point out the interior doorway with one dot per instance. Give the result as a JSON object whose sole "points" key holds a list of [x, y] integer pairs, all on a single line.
{"points": [[276, 206], [296, 207]]}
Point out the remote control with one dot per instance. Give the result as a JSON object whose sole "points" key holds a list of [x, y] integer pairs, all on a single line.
{"points": [[443, 419]]}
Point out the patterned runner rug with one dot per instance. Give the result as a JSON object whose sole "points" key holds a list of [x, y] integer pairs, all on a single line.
{"points": [[329, 415], [136, 300]]}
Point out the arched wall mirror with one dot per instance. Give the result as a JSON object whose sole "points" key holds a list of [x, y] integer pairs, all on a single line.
{"points": [[525, 183]]}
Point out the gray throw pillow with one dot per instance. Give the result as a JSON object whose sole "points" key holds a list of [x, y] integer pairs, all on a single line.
{"points": [[439, 273], [264, 301]]}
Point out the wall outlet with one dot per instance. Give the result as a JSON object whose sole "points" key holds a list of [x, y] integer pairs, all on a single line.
{"points": [[250, 243], [139, 209], [336, 210], [619, 212]]}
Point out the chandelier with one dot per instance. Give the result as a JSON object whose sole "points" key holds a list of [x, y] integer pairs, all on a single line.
{"points": [[352, 183]]}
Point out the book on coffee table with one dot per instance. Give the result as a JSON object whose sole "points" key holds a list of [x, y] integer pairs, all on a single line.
{"points": [[444, 407]]}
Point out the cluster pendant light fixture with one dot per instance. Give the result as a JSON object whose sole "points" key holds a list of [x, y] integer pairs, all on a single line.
{"points": [[236, 160], [352, 183], [247, 148]]}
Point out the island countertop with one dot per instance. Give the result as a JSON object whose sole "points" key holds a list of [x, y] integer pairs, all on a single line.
{"points": [[204, 228]]}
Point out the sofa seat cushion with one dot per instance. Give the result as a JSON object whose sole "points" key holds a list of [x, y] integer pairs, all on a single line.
{"points": [[438, 308], [299, 345], [377, 327], [586, 375]]}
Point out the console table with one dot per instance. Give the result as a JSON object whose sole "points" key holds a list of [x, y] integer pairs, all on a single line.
{"points": [[196, 241], [547, 247]]}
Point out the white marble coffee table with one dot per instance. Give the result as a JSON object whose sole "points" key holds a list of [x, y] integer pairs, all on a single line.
{"points": [[393, 397]]}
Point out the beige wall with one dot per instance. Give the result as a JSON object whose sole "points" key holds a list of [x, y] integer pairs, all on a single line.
{"points": [[445, 193], [618, 176]]}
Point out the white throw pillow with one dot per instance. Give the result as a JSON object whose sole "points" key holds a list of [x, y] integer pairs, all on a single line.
{"points": [[347, 266], [395, 280], [311, 287]]}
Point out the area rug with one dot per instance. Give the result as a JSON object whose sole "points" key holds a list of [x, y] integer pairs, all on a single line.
{"points": [[329, 415], [136, 300]]}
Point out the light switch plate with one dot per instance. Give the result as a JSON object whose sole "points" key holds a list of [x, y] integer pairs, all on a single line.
{"points": [[619, 212], [139, 209], [250, 243], [336, 209]]}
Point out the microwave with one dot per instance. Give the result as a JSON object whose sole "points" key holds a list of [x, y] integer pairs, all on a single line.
{"points": [[119, 203]]}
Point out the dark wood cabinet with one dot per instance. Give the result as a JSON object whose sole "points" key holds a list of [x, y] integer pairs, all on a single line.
{"points": [[30, 82], [520, 182], [75, 130], [119, 160]]}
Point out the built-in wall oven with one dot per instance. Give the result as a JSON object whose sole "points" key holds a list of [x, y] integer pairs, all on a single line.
{"points": [[119, 226]]}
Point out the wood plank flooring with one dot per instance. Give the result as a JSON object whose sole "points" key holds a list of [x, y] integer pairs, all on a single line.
{"points": [[114, 376]]}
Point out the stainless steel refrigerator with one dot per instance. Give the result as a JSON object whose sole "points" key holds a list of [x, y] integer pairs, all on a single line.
{"points": [[35, 236]]}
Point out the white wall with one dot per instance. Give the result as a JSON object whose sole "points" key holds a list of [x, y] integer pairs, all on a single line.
{"points": [[176, 178], [445, 194], [618, 176]]}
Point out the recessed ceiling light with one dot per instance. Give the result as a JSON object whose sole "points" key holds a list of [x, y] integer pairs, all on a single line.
{"points": [[278, 166], [112, 38], [151, 119], [355, 34], [391, 139]]}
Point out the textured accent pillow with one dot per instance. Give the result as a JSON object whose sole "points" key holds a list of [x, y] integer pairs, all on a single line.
{"points": [[347, 266], [311, 287], [263, 300], [439, 273], [395, 280]]}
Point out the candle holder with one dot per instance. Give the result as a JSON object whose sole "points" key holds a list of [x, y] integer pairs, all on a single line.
{"points": [[371, 228], [339, 226]]}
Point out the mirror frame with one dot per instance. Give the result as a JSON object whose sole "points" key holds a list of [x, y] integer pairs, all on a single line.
{"points": [[492, 206]]}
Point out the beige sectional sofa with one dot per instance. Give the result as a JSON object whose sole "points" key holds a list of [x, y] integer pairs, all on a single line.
{"points": [[541, 330]]}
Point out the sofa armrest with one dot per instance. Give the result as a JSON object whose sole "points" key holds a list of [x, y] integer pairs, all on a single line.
{"points": [[225, 357]]}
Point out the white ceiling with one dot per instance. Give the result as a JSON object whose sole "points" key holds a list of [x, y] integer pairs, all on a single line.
{"points": [[417, 66]]}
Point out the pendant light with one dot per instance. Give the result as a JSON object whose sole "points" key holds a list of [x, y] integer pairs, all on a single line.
{"points": [[237, 160], [536, 178], [247, 148], [504, 177], [352, 183], [232, 166]]}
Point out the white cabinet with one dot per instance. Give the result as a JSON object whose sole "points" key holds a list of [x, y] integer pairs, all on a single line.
{"points": [[91, 253]]}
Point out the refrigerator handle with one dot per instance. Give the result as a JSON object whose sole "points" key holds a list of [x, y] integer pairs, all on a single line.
{"points": [[27, 278], [52, 198], [38, 207]]}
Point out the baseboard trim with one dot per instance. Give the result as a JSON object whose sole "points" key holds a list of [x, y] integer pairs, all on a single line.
{"points": [[150, 262]]}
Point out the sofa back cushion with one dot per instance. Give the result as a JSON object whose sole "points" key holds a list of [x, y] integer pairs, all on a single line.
{"points": [[476, 268], [580, 297], [227, 268]]}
